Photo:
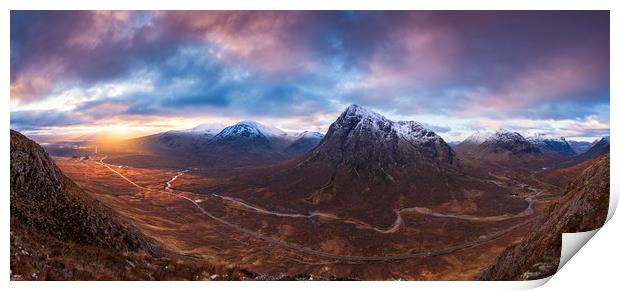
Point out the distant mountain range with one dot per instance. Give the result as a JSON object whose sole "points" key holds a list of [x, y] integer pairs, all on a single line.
{"points": [[507, 146], [241, 144], [250, 143]]}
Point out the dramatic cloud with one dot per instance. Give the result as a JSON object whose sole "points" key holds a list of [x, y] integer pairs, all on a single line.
{"points": [[450, 70]]}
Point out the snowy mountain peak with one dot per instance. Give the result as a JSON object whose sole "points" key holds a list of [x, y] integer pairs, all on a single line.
{"points": [[367, 142], [253, 127], [355, 110], [239, 129], [542, 138], [361, 120], [556, 145], [478, 137], [504, 135]]}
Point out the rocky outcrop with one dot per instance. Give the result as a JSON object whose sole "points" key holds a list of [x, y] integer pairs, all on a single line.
{"points": [[46, 201], [582, 208]]}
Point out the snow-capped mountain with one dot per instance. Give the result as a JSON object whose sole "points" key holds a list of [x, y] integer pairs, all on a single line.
{"points": [[493, 145], [367, 166], [552, 145], [182, 140], [508, 141], [478, 137], [360, 121], [252, 129], [249, 135], [365, 139]]}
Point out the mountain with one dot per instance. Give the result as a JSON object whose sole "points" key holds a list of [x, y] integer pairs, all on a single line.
{"points": [[583, 207], [501, 145], [509, 142], [253, 136], [171, 140], [599, 147], [471, 143], [579, 147], [305, 141], [363, 139], [247, 136], [246, 143], [365, 167], [554, 146]]}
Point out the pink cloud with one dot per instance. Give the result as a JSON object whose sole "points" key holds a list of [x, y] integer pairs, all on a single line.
{"points": [[264, 39], [538, 82], [417, 53]]}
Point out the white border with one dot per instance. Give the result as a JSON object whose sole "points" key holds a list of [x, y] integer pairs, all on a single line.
{"points": [[594, 266]]}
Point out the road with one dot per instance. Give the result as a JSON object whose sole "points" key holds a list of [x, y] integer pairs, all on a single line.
{"points": [[306, 250]]}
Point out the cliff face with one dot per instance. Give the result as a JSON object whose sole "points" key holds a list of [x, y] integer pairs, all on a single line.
{"points": [[583, 207]]}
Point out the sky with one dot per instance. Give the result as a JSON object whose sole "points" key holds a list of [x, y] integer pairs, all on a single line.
{"points": [[140, 72]]}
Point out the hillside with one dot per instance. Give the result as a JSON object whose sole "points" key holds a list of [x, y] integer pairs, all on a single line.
{"points": [[58, 232], [583, 207]]}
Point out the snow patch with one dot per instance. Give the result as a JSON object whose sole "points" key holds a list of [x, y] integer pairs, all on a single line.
{"points": [[369, 120], [309, 134], [541, 139], [478, 137]]}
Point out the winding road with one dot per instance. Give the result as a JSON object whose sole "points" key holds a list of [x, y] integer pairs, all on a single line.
{"points": [[306, 250]]}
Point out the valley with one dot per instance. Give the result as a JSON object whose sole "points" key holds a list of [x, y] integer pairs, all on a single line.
{"points": [[229, 230], [372, 199]]}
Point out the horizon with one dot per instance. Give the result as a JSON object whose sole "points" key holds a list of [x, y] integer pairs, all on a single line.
{"points": [[143, 72], [221, 126]]}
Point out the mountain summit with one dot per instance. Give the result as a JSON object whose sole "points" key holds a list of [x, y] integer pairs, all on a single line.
{"points": [[365, 140], [366, 166], [557, 146], [502, 142]]}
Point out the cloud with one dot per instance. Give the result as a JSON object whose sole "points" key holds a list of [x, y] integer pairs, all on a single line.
{"points": [[537, 65], [27, 120]]}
